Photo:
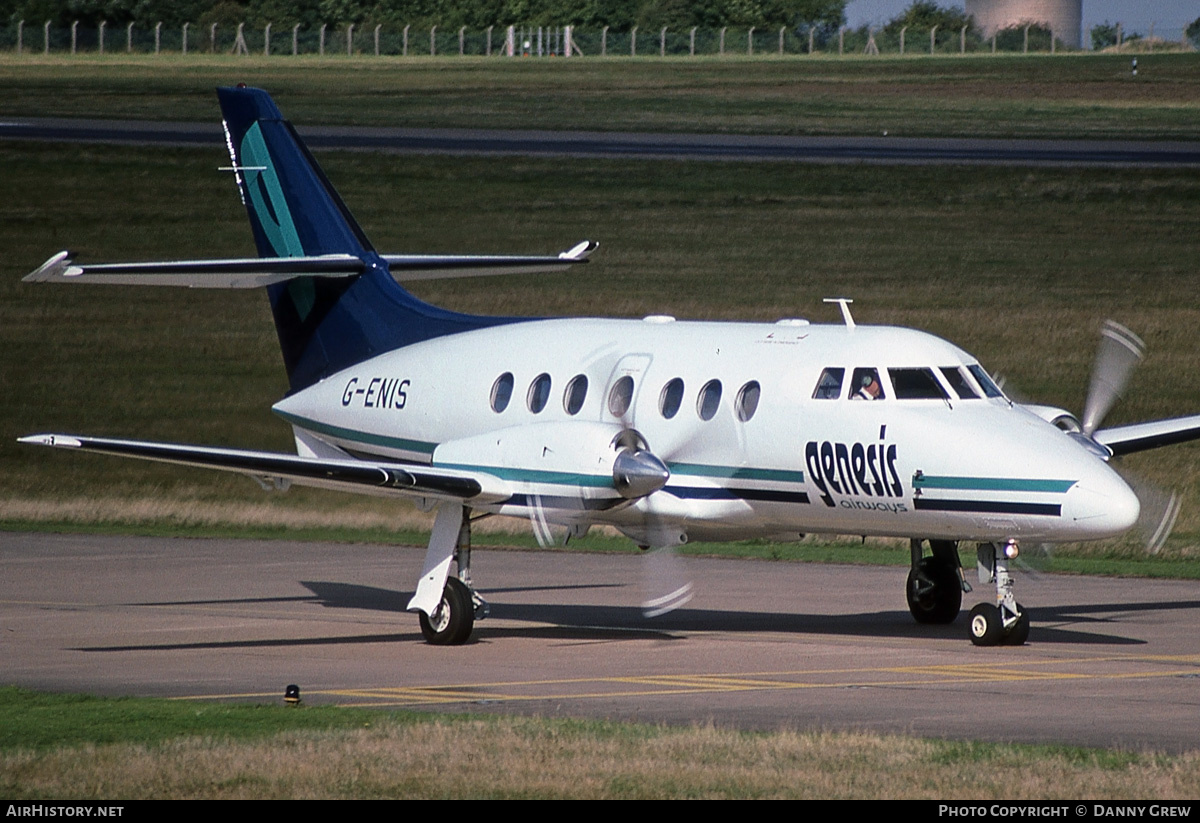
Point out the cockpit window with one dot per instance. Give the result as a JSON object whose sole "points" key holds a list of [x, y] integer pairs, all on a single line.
{"points": [[829, 387], [916, 384], [985, 382], [958, 381], [865, 385]]}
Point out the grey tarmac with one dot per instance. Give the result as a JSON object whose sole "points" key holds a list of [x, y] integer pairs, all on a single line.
{"points": [[875, 149], [764, 645]]}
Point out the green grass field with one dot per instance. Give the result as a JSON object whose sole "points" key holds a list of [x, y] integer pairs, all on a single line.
{"points": [[1072, 96]]}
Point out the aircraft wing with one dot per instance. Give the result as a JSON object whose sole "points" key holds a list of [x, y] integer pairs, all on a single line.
{"points": [[379, 477], [255, 272], [1138, 437]]}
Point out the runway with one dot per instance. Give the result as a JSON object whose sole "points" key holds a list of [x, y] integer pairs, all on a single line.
{"points": [[763, 645], [880, 149]]}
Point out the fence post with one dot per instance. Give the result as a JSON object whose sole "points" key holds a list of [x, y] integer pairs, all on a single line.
{"points": [[993, 42], [21, 33], [750, 41], [129, 39], [662, 42], [378, 26], [489, 41], [350, 40], [185, 28], [1052, 37], [781, 31], [604, 42], [212, 39], [932, 39], [433, 41], [1120, 35], [1025, 47], [74, 28], [404, 51], [103, 23], [811, 33], [157, 36], [510, 41], [295, 39], [841, 40], [962, 40], [267, 40], [721, 44], [462, 34], [321, 42], [633, 42], [902, 30], [46, 38], [692, 42], [239, 42]]}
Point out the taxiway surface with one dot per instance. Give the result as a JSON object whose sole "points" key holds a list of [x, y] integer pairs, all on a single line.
{"points": [[762, 646]]}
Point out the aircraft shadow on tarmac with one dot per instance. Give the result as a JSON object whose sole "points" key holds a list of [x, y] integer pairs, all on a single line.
{"points": [[590, 622]]}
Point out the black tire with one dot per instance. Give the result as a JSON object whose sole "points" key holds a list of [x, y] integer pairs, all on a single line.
{"points": [[985, 626], [1019, 633], [933, 591], [453, 619]]}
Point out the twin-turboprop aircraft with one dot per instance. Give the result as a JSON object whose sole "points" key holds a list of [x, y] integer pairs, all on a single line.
{"points": [[668, 431]]}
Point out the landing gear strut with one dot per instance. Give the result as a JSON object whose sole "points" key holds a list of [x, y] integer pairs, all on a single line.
{"points": [[450, 619], [935, 584], [1005, 621]]}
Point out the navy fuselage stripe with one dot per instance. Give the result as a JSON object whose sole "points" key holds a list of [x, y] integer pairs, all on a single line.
{"points": [[987, 507]]}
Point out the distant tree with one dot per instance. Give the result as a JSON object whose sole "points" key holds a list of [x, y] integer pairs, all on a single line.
{"points": [[1013, 37], [1193, 32], [925, 14], [1104, 35], [822, 17]]}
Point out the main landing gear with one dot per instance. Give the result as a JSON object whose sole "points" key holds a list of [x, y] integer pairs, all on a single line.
{"points": [[450, 619], [936, 585]]}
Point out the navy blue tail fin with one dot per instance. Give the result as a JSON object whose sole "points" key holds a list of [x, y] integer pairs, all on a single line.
{"points": [[324, 324]]}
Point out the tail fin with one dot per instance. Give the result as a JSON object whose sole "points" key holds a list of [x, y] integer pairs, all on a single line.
{"points": [[324, 324]]}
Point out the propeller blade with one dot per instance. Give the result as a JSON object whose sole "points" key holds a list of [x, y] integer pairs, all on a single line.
{"points": [[1160, 508], [1119, 352], [667, 586]]}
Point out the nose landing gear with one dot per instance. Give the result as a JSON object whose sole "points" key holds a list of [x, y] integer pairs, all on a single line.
{"points": [[1004, 622]]}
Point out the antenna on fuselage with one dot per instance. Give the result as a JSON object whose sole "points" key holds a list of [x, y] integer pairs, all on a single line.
{"points": [[844, 305]]}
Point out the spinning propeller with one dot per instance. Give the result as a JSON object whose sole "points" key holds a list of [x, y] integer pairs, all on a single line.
{"points": [[1119, 352]]}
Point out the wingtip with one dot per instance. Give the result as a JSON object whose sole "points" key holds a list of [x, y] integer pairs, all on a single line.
{"points": [[580, 251], [60, 265], [58, 440]]}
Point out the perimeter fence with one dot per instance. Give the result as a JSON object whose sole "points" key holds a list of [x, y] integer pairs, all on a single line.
{"points": [[515, 41]]}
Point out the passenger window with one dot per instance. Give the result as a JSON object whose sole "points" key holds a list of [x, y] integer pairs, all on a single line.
{"points": [[621, 396], [829, 387], [916, 384], [502, 392], [539, 393], [747, 400], [575, 394], [865, 385], [985, 382], [671, 398], [709, 400], [958, 381]]}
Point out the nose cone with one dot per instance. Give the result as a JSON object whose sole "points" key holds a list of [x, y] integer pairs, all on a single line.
{"points": [[1101, 505]]}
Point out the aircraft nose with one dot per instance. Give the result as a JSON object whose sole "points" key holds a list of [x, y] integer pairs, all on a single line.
{"points": [[1101, 505]]}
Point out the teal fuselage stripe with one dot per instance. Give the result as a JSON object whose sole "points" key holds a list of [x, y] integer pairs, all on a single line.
{"points": [[358, 436], [534, 475], [993, 484]]}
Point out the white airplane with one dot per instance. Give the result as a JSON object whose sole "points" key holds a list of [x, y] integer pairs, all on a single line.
{"points": [[668, 431]]}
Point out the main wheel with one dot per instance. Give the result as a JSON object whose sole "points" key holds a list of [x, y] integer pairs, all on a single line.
{"points": [[933, 591], [986, 627], [453, 619], [1019, 633]]}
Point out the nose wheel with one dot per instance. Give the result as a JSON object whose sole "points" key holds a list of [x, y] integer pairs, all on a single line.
{"points": [[1004, 622]]}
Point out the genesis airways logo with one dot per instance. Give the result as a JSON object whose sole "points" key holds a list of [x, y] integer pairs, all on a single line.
{"points": [[856, 471]]}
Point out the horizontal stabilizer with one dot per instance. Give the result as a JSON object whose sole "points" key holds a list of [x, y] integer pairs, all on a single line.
{"points": [[256, 272], [406, 267], [1138, 437], [244, 273], [348, 475]]}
